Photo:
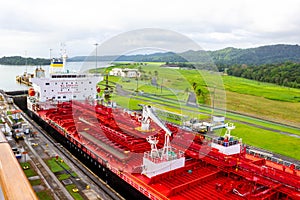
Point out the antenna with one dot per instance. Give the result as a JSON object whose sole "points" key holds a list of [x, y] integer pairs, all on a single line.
{"points": [[64, 56], [63, 48]]}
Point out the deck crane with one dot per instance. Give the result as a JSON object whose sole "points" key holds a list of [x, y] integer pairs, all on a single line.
{"points": [[159, 161], [148, 115], [229, 127]]}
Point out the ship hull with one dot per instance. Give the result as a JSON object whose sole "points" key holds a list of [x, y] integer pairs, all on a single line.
{"points": [[100, 169], [215, 175]]}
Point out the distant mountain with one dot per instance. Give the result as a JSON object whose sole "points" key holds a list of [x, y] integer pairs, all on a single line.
{"points": [[256, 56], [229, 56], [222, 58], [155, 57]]}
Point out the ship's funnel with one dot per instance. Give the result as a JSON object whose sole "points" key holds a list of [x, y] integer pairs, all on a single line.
{"points": [[58, 65]]}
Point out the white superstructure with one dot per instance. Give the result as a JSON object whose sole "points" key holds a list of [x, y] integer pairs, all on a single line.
{"points": [[62, 85], [65, 87]]}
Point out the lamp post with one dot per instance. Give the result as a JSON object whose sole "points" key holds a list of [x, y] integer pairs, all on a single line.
{"points": [[51, 69], [96, 44], [137, 83], [161, 85], [213, 106]]}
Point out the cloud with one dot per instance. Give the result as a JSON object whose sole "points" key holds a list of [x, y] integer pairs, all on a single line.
{"points": [[36, 26], [141, 39]]}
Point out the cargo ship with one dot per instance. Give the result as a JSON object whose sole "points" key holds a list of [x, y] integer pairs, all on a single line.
{"points": [[143, 157]]}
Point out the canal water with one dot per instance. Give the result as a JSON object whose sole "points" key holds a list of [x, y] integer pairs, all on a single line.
{"points": [[8, 73]]}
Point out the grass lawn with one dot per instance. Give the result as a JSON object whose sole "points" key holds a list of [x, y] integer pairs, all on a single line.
{"points": [[129, 103], [55, 167], [284, 112], [274, 142], [35, 182], [28, 172], [63, 176], [44, 195], [266, 90], [66, 176], [75, 195]]}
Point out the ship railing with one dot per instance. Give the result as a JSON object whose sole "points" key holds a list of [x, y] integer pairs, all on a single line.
{"points": [[181, 154], [269, 156], [157, 159], [221, 141], [148, 156]]}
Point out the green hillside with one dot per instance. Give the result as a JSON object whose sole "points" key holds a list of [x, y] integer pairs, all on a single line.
{"points": [[257, 56], [263, 100], [224, 57]]}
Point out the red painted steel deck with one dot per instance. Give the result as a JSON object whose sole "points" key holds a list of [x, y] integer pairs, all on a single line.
{"points": [[114, 136]]}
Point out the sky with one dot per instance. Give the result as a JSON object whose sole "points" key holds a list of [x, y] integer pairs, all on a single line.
{"points": [[31, 28]]}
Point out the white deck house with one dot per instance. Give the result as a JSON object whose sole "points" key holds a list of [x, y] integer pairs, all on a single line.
{"points": [[126, 73], [65, 87]]}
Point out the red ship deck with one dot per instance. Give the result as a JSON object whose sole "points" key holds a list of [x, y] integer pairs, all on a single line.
{"points": [[114, 136]]}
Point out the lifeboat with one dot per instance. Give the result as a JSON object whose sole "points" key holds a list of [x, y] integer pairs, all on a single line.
{"points": [[98, 89], [31, 92]]}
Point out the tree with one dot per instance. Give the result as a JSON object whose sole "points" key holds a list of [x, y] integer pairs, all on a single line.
{"points": [[194, 85], [140, 68], [282, 74], [198, 92]]}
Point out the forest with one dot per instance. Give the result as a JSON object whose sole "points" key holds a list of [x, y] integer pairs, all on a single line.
{"points": [[285, 74], [18, 60]]}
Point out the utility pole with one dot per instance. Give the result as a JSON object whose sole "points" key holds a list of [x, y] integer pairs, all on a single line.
{"points": [[213, 106], [137, 83], [161, 85]]}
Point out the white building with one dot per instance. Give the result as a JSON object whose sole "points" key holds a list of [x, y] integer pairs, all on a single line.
{"points": [[126, 73]]}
